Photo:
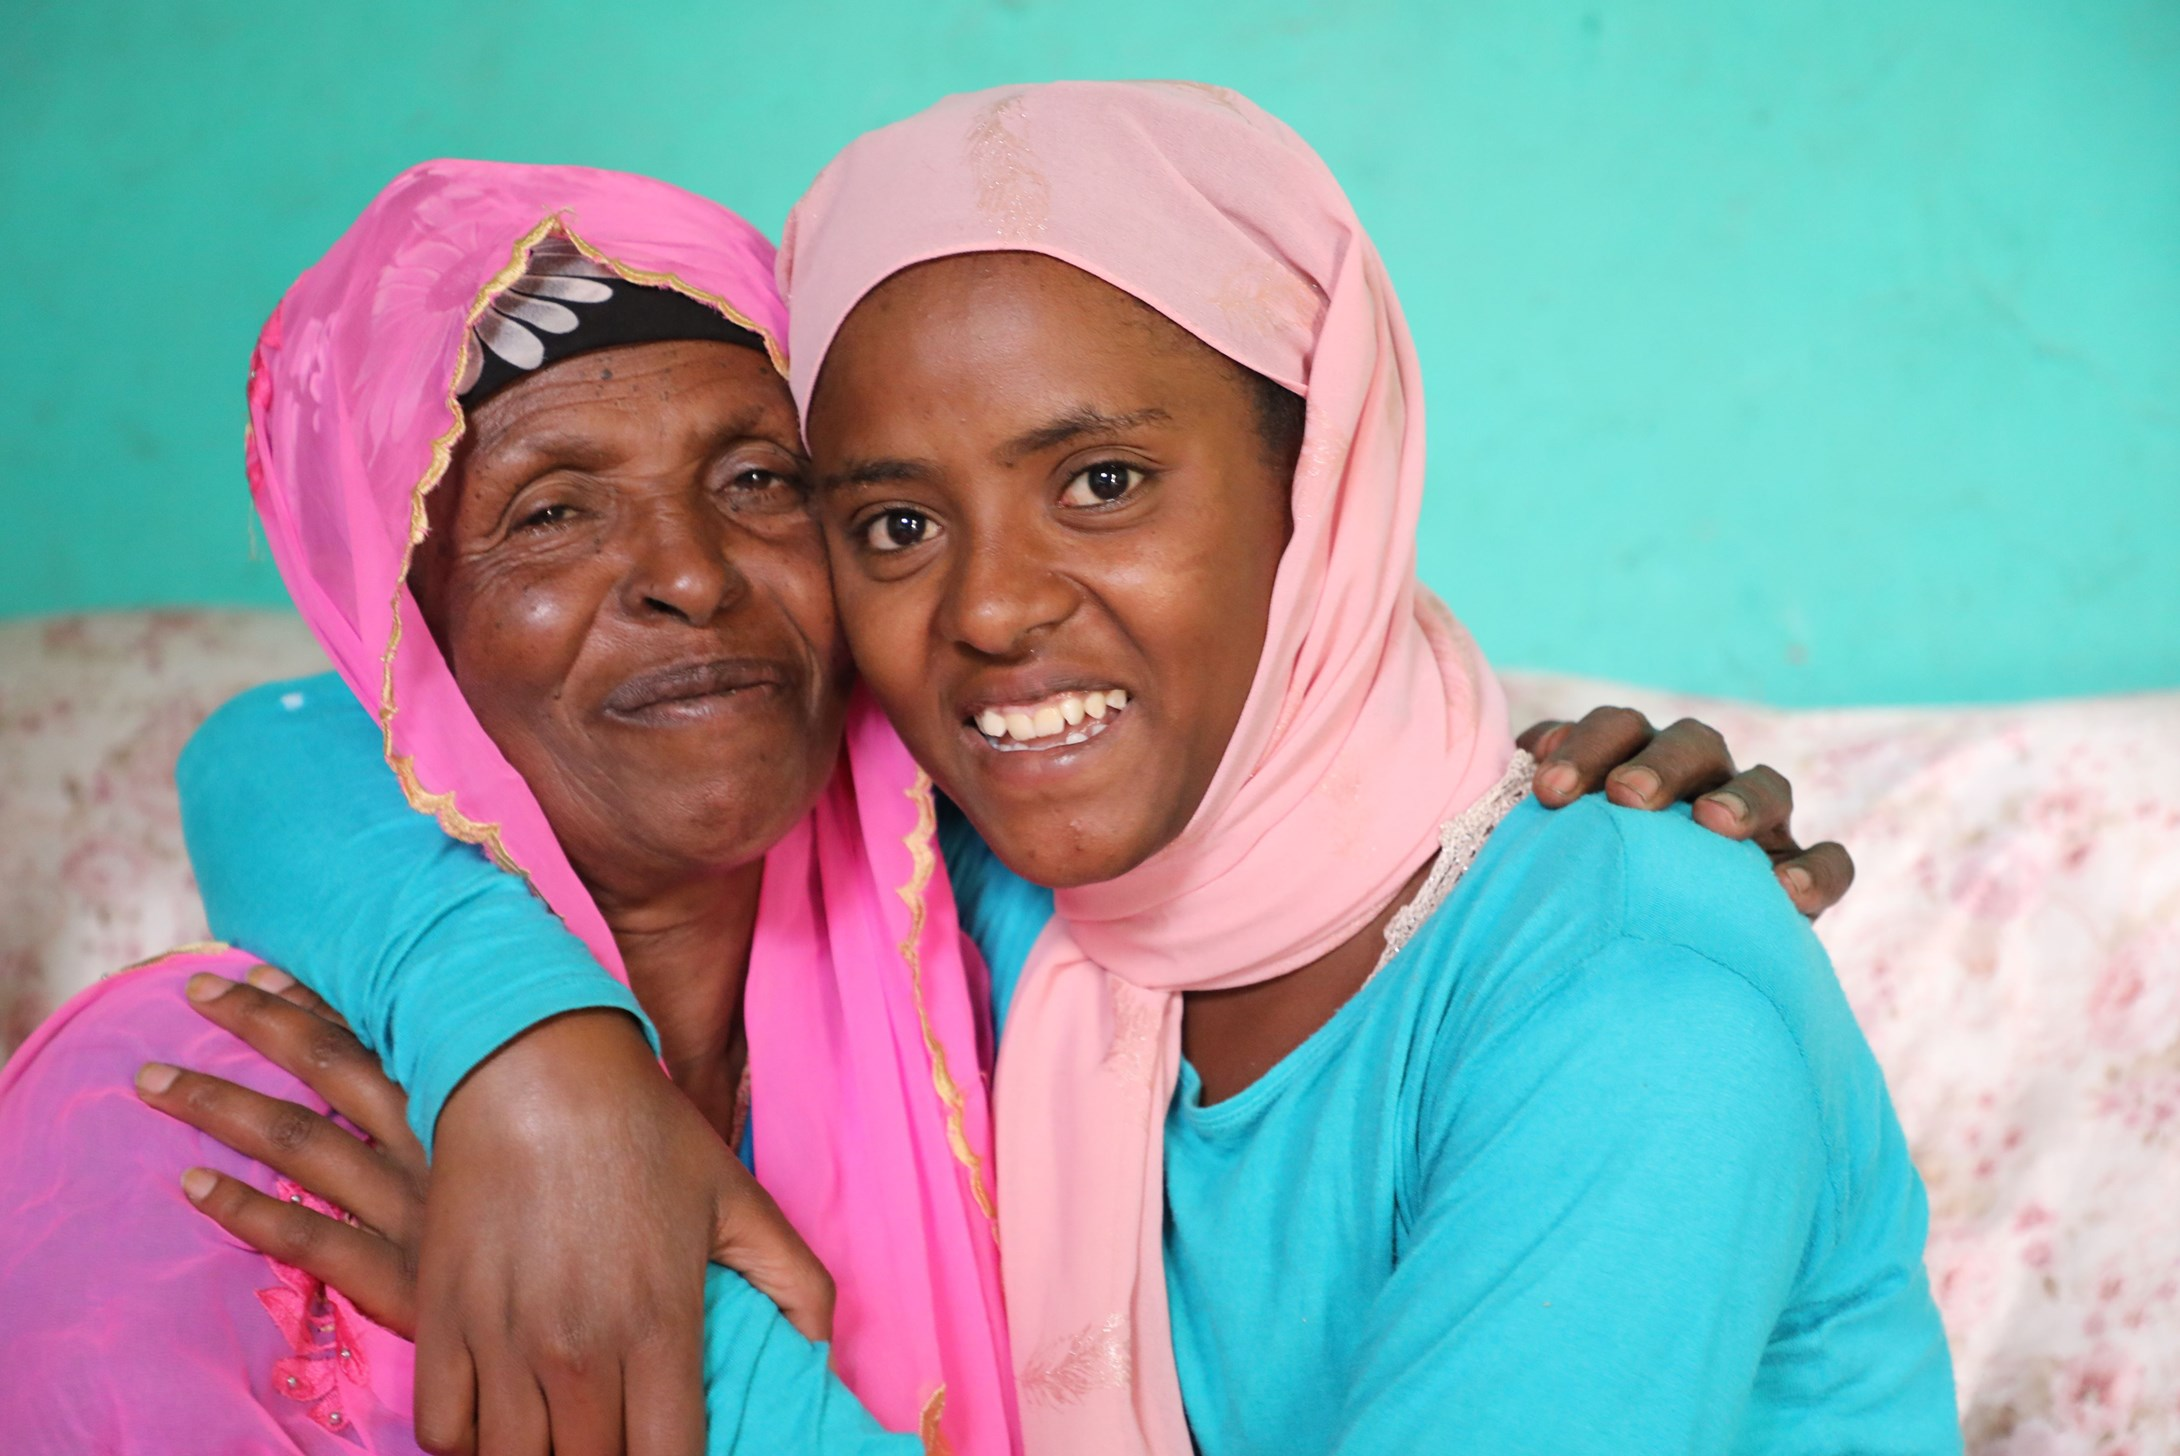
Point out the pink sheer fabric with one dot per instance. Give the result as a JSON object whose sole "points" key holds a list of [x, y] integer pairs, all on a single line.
{"points": [[129, 1321], [132, 1322], [1372, 719]]}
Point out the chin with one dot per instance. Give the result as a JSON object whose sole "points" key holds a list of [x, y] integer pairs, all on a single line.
{"points": [[1061, 813], [730, 830], [1060, 850]]}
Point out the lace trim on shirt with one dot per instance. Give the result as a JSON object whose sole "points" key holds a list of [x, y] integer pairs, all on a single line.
{"points": [[1459, 841]]}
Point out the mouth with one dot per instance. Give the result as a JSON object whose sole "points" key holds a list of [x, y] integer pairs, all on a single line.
{"points": [[694, 688], [1057, 720]]}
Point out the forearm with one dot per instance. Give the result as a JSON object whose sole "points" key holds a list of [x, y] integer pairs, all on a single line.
{"points": [[309, 856]]}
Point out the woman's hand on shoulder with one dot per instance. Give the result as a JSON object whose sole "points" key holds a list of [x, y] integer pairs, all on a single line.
{"points": [[1618, 752], [379, 1178]]}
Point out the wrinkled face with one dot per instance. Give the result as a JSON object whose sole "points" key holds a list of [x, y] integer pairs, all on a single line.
{"points": [[631, 592], [1054, 522]]}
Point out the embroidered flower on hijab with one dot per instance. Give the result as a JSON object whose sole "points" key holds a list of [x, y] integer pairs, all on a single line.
{"points": [[1011, 189], [558, 274]]}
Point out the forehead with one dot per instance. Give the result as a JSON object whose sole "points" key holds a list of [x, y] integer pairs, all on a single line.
{"points": [[997, 331], [608, 392], [1009, 288]]}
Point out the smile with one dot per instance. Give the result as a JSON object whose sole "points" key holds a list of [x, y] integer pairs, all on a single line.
{"points": [[1059, 721], [692, 688]]}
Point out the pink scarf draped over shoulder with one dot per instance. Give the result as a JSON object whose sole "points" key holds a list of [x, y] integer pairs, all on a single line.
{"points": [[1371, 722], [863, 1005]]}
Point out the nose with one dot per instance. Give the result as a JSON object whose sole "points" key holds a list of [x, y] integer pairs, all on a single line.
{"points": [[680, 565], [1003, 597]]}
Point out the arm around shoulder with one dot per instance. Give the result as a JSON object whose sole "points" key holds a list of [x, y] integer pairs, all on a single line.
{"points": [[309, 855]]}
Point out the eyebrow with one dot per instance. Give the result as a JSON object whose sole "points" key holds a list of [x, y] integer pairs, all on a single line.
{"points": [[1074, 425], [563, 448], [882, 471], [1077, 422], [581, 450]]}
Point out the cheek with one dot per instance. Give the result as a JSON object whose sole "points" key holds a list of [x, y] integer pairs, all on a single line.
{"points": [[885, 626], [1197, 590], [1194, 597], [516, 637], [798, 576]]}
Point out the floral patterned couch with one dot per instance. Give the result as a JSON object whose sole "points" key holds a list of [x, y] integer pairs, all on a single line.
{"points": [[2013, 949]]}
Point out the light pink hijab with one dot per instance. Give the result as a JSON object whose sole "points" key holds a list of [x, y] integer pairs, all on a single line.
{"points": [[867, 1093], [1372, 720]]}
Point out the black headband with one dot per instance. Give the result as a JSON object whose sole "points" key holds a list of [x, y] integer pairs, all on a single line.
{"points": [[565, 304]]}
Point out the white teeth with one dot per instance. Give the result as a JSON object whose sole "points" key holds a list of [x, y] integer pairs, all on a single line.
{"points": [[1057, 722]]}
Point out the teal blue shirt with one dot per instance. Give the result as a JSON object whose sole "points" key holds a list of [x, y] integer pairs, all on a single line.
{"points": [[1599, 1163]]}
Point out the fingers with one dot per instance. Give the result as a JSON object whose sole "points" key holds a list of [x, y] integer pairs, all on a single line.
{"points": [[1758, 805], [363, 1266], [1576, 764], [325, 1057], [1639, 767], [294, 992], [511, 1415], [1817, 878], [446, 1386], [1685, 760], [315, 1151], [752, 1236], [665, 1399], [582, 1406], [1539, 739]]}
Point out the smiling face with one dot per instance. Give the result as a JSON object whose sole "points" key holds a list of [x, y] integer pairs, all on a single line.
{"points": [[1054, 519], [626, 581]]}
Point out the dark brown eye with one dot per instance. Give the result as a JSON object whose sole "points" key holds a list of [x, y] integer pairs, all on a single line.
{"points": [[758, 490], [546, 517], [897, 528], [1101, 484]]}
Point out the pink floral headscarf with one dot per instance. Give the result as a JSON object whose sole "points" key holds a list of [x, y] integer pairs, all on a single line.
{"points": [[868, 1099], [1372, 720]]}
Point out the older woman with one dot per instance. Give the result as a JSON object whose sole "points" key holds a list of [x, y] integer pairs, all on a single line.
{"points": [[530, 470]]}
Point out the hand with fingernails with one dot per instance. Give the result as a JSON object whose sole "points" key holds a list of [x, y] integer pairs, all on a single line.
{"points": [[383, 1259], [1618, 752], [378, 1176]]}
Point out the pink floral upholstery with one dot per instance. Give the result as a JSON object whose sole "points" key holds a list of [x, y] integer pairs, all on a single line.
{"points": [[2013, 949], [93, 711]]}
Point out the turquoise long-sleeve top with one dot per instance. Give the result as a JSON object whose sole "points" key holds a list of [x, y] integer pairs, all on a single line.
{"points": [[1600, 1162]]}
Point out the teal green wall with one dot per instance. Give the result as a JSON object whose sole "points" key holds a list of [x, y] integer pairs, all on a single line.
{"points": [[1813, 352]]}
